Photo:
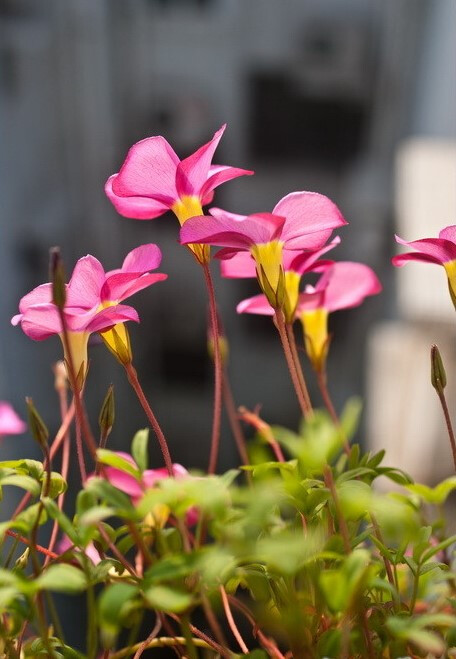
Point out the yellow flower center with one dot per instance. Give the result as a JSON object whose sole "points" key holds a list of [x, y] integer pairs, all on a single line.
{"points": [[450, 269], [268, 259], [78, 348], [315, 328], [117, 339], [185, 208], [292, 280]]}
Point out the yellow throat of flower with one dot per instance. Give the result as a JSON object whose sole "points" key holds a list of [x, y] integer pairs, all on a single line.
{"points": [[268, 259], [292, 280], [185, 208], [315, 328], [450, 269], [78, 348], [117, 339]]}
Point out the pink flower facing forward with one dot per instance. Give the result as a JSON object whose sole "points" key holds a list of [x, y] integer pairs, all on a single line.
{"points": [[441, 250], [153, 180], [10, 423], [344, 285], [295, 265], [92, 303], [300, 221], [135, 487]]}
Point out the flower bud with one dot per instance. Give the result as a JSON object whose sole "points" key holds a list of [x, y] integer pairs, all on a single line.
{"points": [[438, 375], [57, 277], [117, 340], [60, 376], [107, 413], [36, 424]]}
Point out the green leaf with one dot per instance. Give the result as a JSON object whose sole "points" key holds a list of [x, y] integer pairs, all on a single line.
{"points": [[432, 551], [57, 486], [172, 567], [24, 482], [107, 492], [95, 515], [139, 448], [62, 578], [349, 419], [65, 524], [168, 599], [115, 460], [114, 605]]}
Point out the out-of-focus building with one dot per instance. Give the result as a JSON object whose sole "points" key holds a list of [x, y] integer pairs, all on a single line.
{"points": [[317, 96]]}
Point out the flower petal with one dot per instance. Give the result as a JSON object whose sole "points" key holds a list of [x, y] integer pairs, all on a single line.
{"points": [[123, 284], [230, 230], [402, 259], [258, 305], [40, 295], [238, 265], [149, 170], [107, 318], [449, 233], [10, 423], [347, 284], [192, 172], [41, 321], [304, 261], [86, 282], [440, 249], [219, 174], [310, 219], [142, 259], [137, 208]]}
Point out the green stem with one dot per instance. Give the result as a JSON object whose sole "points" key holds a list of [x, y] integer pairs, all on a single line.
{"points": [[297, 361], [189, 642]]}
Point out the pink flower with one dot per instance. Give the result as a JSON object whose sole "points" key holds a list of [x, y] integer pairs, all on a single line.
{"points": [[441, 250], [153, 180], [92, 301], [90, 551], [300, 221], [10, 423], [135, 487]]}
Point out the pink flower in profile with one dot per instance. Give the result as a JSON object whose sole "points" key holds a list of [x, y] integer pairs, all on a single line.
{"points": [[300, 221], [295, 265], [93, 300], [10, 423], [135, 487], [90, 551], [153, 180], [441, 250]]}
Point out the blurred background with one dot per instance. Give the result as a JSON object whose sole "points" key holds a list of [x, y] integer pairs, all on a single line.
{"points": [[345, 97]]}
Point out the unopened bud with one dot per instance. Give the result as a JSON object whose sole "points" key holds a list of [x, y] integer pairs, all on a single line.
{"points": [[57, 277], [36, 424], [438, 375], [22, 561], [107, 413], [60, 376]]}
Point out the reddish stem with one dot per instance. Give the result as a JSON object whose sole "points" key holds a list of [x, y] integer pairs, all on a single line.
{"points": [[231, 622], [280, 324], [297, 361], [234, 420], [27, 542], [449, 426], [133, 380], [218, 370]]}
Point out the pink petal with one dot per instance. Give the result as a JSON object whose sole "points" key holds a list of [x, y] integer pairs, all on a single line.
{"points": [[40, 295], [240, 264], [41, 321], [123, 481], [310, 219], [347, 284], [120, 286], [192, 173], [111, 316], [86, 282], [138, 208], [303, 262], [449, 233], [402, 259], [10, 423], [440, 249], [258, 305], [142, 259], [149, 170], [151, 476], [219, 174], [229, 230]]}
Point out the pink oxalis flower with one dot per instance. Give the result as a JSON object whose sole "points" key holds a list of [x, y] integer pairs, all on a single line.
{"points": [[441, 250], [10, 422], [300, 221], [93, 302], [135, 485], [153, 180], [343, 285]]}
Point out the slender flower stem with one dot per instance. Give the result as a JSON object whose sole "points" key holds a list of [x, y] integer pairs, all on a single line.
{"points": [[280, 324], [39, 548], [142, 647], [233, 419], [449, 426], [231, 622], [264, 429], [218, 372], [297, 361], [133, 380], [267, 643], [323, 386], [80, 451], [329, 482]]}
